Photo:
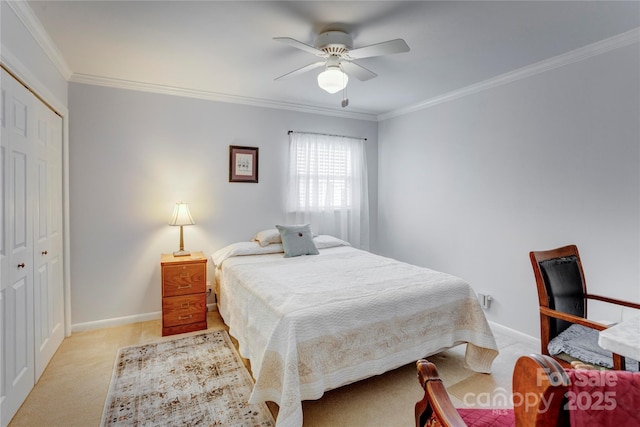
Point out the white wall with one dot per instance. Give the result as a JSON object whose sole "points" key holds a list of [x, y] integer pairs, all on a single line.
{"points": [[472, 185], [135, 154]]}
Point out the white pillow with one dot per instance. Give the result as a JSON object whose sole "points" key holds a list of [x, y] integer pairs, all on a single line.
{"points": [[244, 248], [267, 237], [324, 241]]}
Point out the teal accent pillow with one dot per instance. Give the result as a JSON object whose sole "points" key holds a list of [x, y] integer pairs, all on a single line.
{"points": [[297, 240]]}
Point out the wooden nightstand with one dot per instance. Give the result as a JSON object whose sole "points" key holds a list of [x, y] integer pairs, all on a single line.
{"points": [[184, 293]]}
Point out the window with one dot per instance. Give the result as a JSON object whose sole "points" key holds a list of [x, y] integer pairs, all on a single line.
{"points": [[328, 186], [323, 171]]}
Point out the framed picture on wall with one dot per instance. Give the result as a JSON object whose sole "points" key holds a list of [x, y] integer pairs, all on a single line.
{"points": [[243, 164]]}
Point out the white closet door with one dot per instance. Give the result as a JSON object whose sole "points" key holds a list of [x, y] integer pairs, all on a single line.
{"points": [[4, 227], [17, 290], [48, 283]]}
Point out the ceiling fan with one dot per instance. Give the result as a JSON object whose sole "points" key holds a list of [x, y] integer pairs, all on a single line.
{"points": [[336, 49]]}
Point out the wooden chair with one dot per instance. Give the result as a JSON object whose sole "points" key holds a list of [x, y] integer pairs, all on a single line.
{"points": [[544, 395], [539, 383], [563, 296]]}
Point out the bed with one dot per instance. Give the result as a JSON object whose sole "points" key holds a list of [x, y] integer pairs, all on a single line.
{"points": [[309, 324]]}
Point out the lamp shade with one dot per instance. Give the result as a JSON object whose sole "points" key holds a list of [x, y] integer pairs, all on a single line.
{"points": [[181, 215], [333, 79]]}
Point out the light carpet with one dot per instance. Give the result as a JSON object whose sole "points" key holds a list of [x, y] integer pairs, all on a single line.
{"points": [[195, 380]]}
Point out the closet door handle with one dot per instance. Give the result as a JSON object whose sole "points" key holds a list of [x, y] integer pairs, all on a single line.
{"points": [[21, 265], [44, 252]]}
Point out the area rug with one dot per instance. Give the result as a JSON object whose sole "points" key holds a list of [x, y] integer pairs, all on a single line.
{"points": [[195, 380]]}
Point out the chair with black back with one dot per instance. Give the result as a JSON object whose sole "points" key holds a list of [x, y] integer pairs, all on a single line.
{"points": [[563, 297]]}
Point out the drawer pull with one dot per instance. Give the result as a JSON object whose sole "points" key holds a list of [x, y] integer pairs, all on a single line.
{"points": [[185, 305], [184, 286], [21, 265], [184, 317]]}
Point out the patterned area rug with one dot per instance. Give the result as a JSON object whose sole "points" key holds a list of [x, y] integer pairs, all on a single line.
{"points": [[194, 380]]}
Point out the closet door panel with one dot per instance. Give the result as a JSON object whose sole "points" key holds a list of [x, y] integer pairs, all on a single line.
{"points": [[4, 226], [49, 286], [17, 293], [20, 360], [20, 239], [20, 292], [4, 166]]}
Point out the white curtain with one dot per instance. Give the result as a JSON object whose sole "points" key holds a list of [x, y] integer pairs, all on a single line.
{"points": [[328, 186]]}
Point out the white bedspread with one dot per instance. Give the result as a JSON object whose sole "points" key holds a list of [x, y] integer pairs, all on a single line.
{"points": [[314, 323]]}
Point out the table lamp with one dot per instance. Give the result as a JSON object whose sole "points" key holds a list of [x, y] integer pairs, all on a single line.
{"points": [[181, 216]]}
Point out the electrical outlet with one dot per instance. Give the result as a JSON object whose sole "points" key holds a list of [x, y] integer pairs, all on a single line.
{"points": [[485, 300], [209, 288]]}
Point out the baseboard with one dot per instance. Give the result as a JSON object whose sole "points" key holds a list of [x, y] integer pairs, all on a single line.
{"points": [[520, 336], [116, 321], [119, 321]]}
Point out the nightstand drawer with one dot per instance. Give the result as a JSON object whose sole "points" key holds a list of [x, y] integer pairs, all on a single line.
{"points": [[184, 293], [184, 309], [183, 279]]}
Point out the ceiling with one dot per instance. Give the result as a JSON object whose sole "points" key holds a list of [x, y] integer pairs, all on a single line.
{"points": [[226, 48]]}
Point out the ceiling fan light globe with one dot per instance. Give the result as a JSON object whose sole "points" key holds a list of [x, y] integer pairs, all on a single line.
{"points": [[333, 80]]}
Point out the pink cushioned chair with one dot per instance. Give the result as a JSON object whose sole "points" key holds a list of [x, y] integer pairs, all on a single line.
{"points": [[603, 398], [548, 396]]}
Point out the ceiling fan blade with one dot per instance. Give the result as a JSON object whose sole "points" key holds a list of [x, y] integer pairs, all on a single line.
{"points": [[301, 70], [379, 49], [357, 71], [299, 45]]}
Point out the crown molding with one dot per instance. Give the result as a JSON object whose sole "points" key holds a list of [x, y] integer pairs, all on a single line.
{"points": [[22, 72], [24, 12], [591, 50], [214, 96]]}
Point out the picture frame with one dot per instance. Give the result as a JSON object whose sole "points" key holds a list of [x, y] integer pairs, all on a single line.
{"points": [[243, 164]]}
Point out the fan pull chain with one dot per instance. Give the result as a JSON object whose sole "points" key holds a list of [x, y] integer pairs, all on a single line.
{"points": [[345, 100]]}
